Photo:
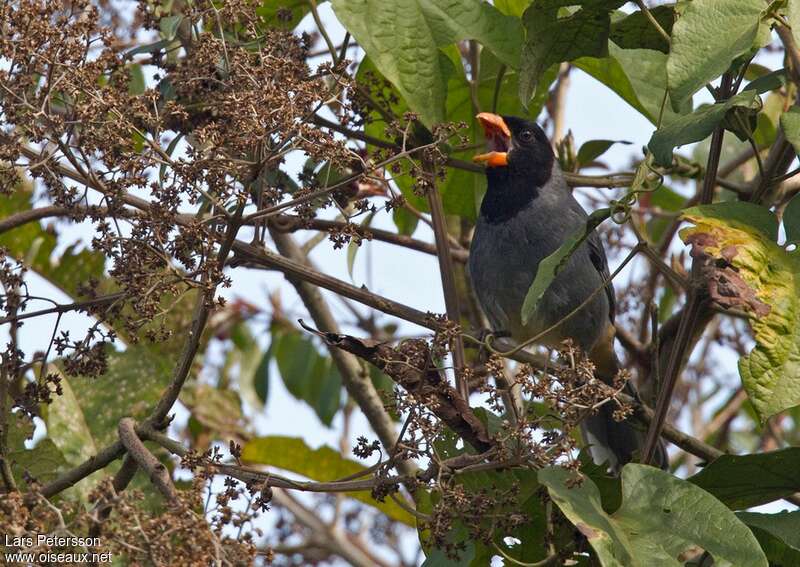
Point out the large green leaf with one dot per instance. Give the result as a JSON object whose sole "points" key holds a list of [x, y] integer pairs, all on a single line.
{"points": [[790, 122], [323, 465], [743, 481], [308, 375], [553, 36], [697, 125], [778, 534], [706, 39], [635, 31], [66, 424], [791, 220], [638, 76], [43, 462], [403, 38], [35, 244], [661, 517], [763, 278], [133, 384]]}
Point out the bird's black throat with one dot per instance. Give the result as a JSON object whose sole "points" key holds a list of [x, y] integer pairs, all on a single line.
{"points": [[510, 189]]}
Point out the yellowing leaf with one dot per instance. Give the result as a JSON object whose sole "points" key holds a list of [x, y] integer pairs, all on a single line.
{"points": [[323, 465], [755, 274]]}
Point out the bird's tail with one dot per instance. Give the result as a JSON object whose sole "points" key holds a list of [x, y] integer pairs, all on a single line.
{"points": [[616, 442]]}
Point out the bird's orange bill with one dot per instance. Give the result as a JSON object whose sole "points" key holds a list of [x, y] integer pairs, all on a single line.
{"points": [[498, 136], [492, 159]]}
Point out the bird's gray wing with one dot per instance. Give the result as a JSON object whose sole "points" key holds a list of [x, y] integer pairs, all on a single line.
{"points": [[597, 254]]}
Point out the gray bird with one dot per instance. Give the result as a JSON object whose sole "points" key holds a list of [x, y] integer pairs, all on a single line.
{"points": [[526, 215]]}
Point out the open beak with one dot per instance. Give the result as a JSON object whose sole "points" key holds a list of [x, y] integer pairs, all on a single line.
{"points": [[498, 135]]}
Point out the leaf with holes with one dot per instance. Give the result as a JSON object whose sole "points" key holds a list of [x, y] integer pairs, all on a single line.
{"points": [[752, 272]]}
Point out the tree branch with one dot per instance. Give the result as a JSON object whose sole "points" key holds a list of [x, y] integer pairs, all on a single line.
{"points": [[156, 471]]}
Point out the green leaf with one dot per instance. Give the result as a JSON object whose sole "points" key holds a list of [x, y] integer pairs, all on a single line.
{"points": [[403, 39], [285, 14], [636, 32], [793, 15], [638, 76], [553, 37], [765, 279], [778, 534], [405, 222], [261, 377], [744, 481], [169, 26], [34, 244], [593, 149], [246, 356], [137, 85], [134, 382], [322, 465], [706, 39], [220, 411], [308, 375], [697, 125], [353, 245], [772, 81], [44, 462], [512, 7], [791, 220], [66, 424], [551, 266], [660, 518], [790, 122]]}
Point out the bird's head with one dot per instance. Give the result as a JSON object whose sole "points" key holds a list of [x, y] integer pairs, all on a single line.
{"points": [[517, 144], [518, 166]]}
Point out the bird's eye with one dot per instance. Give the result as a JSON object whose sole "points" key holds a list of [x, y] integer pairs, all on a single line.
{"points": [[526, 136]]}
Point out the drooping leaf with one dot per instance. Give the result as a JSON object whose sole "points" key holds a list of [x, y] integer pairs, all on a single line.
{"points": [[133, 384], [790, 122], [635, 31], [353, 246], [638, 76], [553, 37], [323, 465], [593, 149], [35, 244], [706, 39], [220, 411], [66, 424], [744, 481], [283, 13], [308, 375], [778, 534], [405, 222], [137, 83], [168, 26], [773, 80], [661, 517], [551, 266], [403, 39], [793, 15], [697, 125], [759, 276], [791, 220]]}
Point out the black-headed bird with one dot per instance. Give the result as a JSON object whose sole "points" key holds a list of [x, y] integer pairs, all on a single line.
{"points": [[526, 215]]}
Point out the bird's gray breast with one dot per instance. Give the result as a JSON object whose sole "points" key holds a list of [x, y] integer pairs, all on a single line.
{"points": [[504, 259]]}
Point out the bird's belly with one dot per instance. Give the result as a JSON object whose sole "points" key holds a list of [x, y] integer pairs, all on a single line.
{"points": [[503, 270]]}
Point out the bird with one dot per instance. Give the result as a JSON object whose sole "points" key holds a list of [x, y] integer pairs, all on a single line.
{"points": [[526, 214]]}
